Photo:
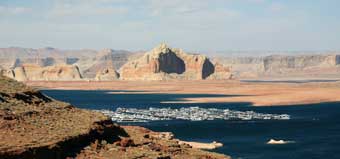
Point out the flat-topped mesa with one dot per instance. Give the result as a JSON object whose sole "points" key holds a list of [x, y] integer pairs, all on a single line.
{"points": [[163, 63], [33, 72]]}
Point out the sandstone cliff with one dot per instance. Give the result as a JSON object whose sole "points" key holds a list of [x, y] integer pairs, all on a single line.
{"points": [[163, 63]]}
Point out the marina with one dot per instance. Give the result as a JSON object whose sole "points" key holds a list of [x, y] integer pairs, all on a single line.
{"points": [[188, 113]]}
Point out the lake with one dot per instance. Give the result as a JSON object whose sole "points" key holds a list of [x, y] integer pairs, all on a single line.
{"points": [[315, 129]]}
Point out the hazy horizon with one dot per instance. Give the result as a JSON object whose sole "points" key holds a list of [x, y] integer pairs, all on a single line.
{"points": [[225, 53], [193, 25]]}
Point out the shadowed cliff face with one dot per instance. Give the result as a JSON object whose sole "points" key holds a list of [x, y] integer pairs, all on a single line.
{"points": [[208, 69], [337, 59], [171, 63]]}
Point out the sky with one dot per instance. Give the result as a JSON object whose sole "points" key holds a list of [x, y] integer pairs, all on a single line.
{"points": [[195, 25]]}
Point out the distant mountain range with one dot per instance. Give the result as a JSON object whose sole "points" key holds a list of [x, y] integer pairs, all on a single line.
{"points": [[244, 65]]}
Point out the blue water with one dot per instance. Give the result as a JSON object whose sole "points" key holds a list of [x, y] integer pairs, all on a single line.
{"points": [[314, 128]]}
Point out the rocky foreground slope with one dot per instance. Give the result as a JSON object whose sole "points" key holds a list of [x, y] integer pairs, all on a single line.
{"points": [[35, 126]]}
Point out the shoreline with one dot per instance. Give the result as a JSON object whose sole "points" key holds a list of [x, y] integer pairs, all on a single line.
{"points": [[256, 94]]}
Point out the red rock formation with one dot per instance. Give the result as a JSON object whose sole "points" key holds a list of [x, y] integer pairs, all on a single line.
{"points": [[163, 63]]}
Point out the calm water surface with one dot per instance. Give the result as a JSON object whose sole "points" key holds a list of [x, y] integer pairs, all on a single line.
{"points": [[315, 129]]}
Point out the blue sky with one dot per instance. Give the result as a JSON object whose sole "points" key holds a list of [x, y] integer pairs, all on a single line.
{"points": [[195, 25]]}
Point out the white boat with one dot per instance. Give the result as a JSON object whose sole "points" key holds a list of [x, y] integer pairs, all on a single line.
{"points": [[277, 142]]}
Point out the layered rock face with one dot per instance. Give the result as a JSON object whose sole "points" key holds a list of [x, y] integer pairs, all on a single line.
{"points": [[31, 72], [286, 63], [163, 63]]}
